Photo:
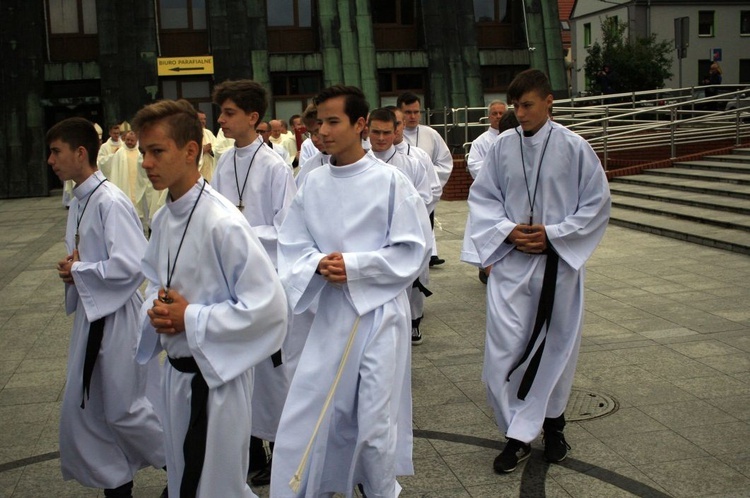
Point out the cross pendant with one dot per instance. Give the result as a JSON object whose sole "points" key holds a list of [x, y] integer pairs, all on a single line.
{"points": [[77, 239], [164, 298], [241, 207]]}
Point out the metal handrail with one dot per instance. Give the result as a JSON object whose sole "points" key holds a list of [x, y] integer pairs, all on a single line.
{"points": [[637, 120]]}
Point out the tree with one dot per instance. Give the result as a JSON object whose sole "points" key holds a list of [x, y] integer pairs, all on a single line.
{"points": [[635, 65]]}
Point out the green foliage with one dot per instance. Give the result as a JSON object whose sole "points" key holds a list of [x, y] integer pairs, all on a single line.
{"points": [[636, 65]]}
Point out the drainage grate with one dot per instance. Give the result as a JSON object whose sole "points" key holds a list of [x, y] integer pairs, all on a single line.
{"points": [[586, 405]]}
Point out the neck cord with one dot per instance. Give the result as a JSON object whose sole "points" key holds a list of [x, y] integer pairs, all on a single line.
{"points": [[241, 192], [170, 271], [532, 199], [80, 216], [394, 153]]}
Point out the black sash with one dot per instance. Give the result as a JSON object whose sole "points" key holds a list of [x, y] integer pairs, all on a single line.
{"points": [[424, 290], [93, 345], [194, 446], [276, 359], [543, 315]]}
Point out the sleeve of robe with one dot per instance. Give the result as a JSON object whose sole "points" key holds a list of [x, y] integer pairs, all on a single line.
{"points": [[282, 193], [105, 286], [441, 158], [476, 157], [298, 258], [376, 277], [575, 238], [228, 337]]}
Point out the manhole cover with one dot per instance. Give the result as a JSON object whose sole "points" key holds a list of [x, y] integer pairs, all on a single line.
{"points": [[585, 405]]}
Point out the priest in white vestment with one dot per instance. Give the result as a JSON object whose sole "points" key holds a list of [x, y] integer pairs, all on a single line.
{"points": [[207, 163], [538, 209], [108, 148], [125, 167], [355, 238]]}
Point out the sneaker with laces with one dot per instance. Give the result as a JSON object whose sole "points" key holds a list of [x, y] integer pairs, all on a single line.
{"points": [[416, 336], [514, 453], [555, 446]]}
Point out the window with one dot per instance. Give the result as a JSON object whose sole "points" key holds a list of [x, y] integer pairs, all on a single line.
{"points": [[290, 26], [195, 90], [289, 13], [292, 92], [496, 11], [495, 23], [396, 82], [72, 30], [706, 23], [744, 71], [183, 27], [745, 23], [587, 34], [394, 24], [495, 79]]}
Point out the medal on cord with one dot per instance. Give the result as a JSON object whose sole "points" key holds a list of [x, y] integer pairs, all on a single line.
{"points": [[532, 198], [170, 270], [80, 216], [241, 192]]}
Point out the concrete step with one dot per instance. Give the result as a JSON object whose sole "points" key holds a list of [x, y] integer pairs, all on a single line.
{"points": [[705, 201], [702, 175], [708, 216], [744, 151], [732, 158], [741, 167], [708, 235], [686, 185]]}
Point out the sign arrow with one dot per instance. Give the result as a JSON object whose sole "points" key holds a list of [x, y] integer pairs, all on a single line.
{"points": [[178, 69]]}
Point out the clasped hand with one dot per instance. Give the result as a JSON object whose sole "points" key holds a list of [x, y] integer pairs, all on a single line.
{"points": [[65, 266], [168, 317], [531, 239], [332, 268]]}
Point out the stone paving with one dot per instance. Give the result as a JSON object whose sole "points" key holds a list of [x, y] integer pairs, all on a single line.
{"points": [[667, 336]]}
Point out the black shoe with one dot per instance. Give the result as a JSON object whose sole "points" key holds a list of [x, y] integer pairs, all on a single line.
{"points": [[514, 453], [124, 491], [482, 276], [263, 478], [416, 336], [435, 260], [555, 446]]}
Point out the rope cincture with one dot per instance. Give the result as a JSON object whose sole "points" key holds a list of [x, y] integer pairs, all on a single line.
{"points": [[296, 480]]}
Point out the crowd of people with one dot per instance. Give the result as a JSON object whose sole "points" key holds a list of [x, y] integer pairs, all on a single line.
{"points": [[284, 271]]}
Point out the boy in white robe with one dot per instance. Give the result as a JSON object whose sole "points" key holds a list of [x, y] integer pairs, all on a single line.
{"points": [[256, 180], [355, 238], [382, 124], [214, 303], [538, 209], [108, 428]]}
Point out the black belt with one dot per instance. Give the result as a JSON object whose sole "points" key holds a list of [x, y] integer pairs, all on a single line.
{"points": [[424, 290], [93, 345], [543, 315], [194, 446]]}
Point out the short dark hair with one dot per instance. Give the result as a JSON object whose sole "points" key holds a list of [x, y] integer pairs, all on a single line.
{"points": [[76, 132], [113, 125], [407, 98], [294, 116], [355, 103], [249, 95], [383, 114], [310, 116], [508, 121], [180, 117], [530, 80]]}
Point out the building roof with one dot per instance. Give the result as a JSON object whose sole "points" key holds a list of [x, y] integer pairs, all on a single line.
{"points": [[565, 7]]}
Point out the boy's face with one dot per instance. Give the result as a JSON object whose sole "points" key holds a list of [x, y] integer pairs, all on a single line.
{"points": [[235, 122], [398, 132], [114, 133], [67, 163], [166, 164], [381, 135], [314, 130], [412, 113], [336, 131], [532, 110]]}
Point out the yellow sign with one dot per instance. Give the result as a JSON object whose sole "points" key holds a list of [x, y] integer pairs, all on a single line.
{"points": [[185, 66]]}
